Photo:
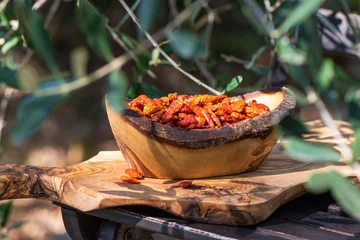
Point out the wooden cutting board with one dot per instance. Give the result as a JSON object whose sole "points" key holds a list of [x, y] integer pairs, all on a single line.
{"points": [[242, 199]]}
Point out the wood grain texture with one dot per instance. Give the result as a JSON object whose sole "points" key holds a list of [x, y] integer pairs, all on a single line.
{"points": [[242, 199], [159, 151]]}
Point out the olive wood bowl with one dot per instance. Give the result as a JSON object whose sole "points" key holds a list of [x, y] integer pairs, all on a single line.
{"points": [[160, 151]]}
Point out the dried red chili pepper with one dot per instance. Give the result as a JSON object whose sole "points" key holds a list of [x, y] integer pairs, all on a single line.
{"points": [[128, 179], [197, 111], [133, 173], [185, 184]]}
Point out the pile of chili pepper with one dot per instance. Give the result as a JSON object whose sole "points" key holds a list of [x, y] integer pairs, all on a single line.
{"points": [[197, 111]]}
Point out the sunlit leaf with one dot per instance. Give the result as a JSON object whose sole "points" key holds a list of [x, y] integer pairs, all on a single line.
{"points": [[356, 146], [9, 77], [186, 44], [148, 11], [79, 58], [325, 75], [151, 90], [32, 26], [343, 191], [233, 84], [33, 110], [92, 23], [306, 151], [290, 54], [117, 89], [5, 210], [9, 45], [298, 15]]}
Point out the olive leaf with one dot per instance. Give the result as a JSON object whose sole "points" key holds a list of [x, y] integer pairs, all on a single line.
{"points": [[151, 90], [233, 84], [186, 44], [344, 192], [306, 151], [117, 89], [33, 28], [92, 23], [33, 110]]}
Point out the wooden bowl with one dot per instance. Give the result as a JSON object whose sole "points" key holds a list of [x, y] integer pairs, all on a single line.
{"points": [[160, 151]]}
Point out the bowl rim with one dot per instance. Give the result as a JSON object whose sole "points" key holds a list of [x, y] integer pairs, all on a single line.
{"points": [[260, 126]]}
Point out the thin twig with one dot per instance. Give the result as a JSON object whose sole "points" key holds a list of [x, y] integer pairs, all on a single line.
{"points": [[205, 72], [38, 4], [208, 31], [52, 11], [3, 105], [167, 57], [125, 18], [217, 12], [3, 5], [231, 58], [272, 8], [173, 10], [330, 123], [115, 64], [118, 40]]}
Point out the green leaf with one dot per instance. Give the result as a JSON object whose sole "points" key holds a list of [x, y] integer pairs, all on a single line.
{"points": [[300, 97], [298, 74], [5, 210], [298, 15], [117, 89], [356, 146], [343, 191], [92, 23], [17, 225], [261, 70], [9, 45], [79, 58], [254, 57], [290, 54], [233, 84], [151, 90], [318, 183], [306, 151], [142, 63], [33, 110], [186, 44], [133, 91], [129, 41], [325, 75], [9, 77], [293, 126], [256, 16], [148, 12], [32, 26]]}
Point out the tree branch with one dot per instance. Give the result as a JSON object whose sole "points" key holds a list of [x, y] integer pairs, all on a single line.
{"points": [[167, 57]]}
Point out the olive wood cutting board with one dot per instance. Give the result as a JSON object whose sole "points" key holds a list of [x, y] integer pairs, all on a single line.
{"points": [[242, 199]]}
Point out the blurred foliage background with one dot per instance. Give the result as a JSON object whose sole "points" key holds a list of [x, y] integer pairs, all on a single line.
{"points": [[59, 59]]}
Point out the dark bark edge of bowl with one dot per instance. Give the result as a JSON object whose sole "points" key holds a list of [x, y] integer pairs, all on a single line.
{"points": [[259, 126]]}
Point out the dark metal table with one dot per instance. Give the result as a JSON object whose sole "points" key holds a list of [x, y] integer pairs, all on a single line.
{"points": [[308, 217]]}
